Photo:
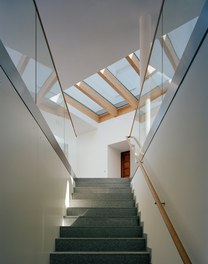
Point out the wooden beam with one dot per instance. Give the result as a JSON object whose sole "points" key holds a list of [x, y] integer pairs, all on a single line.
{"points": [[134, 62], [170, 51], [153, 94], [81, 107], [23, 64], [121, 111], [96, 97], [50, 81], [118, 87], [150, 72]]}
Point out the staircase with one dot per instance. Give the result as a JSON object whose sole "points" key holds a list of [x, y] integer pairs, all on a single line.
{"points": [[103, 226]]}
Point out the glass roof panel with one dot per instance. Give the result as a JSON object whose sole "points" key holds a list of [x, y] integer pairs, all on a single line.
{"points": [[103, 88], [83, 99], [123, 71]]}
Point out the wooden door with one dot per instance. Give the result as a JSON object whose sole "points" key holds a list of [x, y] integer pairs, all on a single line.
{"points": [[125, 164]]}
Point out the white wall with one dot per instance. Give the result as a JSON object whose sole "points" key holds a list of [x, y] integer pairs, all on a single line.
{"points": [[114, 162], [32, 185], [93, 146], [177, 163]]}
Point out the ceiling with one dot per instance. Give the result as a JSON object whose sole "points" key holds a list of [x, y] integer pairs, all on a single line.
{"points": [[86, 36]]}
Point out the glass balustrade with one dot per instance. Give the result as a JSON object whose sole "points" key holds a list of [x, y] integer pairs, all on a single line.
{"points": [[174, 29], [25, 42]]}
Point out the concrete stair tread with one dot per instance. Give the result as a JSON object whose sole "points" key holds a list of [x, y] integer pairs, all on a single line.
{"points": [[102, 203], [102, 189], [101, 225], [102, 221], [102, 196]]}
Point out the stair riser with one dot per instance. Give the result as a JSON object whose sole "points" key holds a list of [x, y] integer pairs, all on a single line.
{"points": [[102, 185], [63, 258], [103, 203], [101, 232], [105, 222], [102, 180], [100, 245], [103, 196], [101, 190], [102, 212]]}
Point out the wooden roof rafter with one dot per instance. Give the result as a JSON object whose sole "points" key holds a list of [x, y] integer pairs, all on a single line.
{"points": [[96, 97], [169, 51], [118, 87], [81, 107], [134, 62]]}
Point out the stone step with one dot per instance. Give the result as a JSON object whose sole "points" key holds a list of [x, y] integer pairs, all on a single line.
{"points": [[102, 212], [83, 221], [110, 232], [103, 196], [101, 258], [100, 244], [102, 190], [102, 185], [102, 203], [103, 180]]}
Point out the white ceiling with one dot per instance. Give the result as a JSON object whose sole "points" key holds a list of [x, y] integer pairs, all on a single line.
{"points": [[88, 35]]}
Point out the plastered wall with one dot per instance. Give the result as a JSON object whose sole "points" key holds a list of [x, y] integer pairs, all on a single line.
{"points": [[32, 184], [177, 163]]}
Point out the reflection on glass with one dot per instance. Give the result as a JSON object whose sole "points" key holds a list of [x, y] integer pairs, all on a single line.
{"points": [[172, 36], [137, 53], [179, 37], [124, 72], [15, 55], [83, 99]]}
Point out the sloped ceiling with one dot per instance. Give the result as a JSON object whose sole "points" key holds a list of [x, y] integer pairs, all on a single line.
{"points": [[88, 35]]}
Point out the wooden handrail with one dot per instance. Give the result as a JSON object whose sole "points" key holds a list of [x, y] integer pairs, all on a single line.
{"points": [[181, 250]]}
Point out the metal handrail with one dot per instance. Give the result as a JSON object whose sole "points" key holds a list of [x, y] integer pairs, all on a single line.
{"points": [[181, 250]]}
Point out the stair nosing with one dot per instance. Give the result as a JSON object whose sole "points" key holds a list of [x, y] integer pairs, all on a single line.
{"points": [[101, 238], [100, 252]]}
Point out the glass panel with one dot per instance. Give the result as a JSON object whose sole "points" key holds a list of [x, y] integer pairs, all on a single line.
{"points": [[50, 99], [103, 88], [137, 53], [179, 37], [29, 77], [124, 72], [83, 99], [18, 35], [171, 40], [15, 55]]}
